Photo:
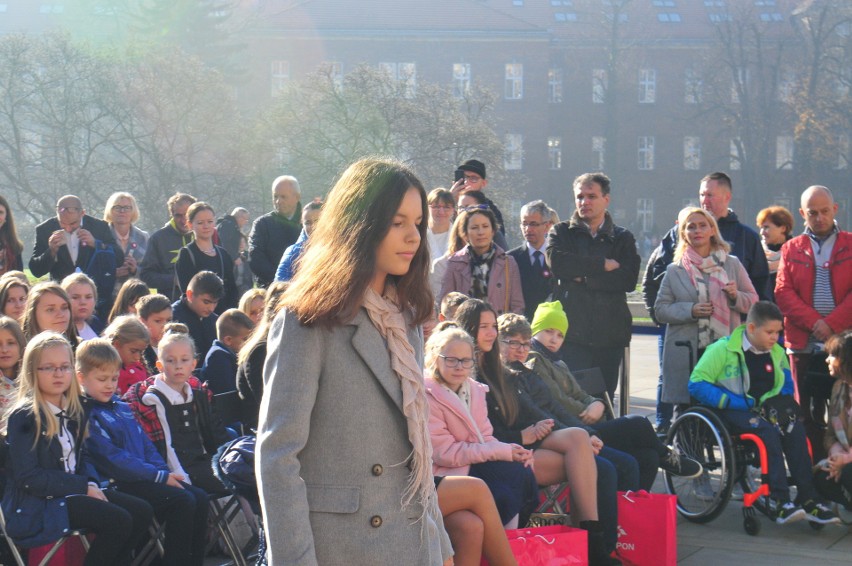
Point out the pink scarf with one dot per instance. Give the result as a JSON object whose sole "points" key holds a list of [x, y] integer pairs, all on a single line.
{"points": [[709, 277]]}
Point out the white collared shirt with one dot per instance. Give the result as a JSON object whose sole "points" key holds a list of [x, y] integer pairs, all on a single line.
{"points": [[749, 347], [531, 252], [66, 441], [72, 240]]}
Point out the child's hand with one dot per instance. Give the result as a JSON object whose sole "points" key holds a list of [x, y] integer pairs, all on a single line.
{"points": [[592, 413], [596, 443], [836, 463], [96, 492], [543, 428], [174, 480]]}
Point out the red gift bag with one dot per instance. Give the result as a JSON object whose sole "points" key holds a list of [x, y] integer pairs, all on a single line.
{"points": [[647, 528], [549, 546]]}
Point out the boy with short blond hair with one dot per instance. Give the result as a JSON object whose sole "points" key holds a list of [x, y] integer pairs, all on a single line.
{"points": [[220, 364]]}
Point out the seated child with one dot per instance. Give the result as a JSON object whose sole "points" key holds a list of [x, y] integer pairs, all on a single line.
{"points": [[450, 304], [84, 296], [176, 412], [155, 311], [251, 303], [12, 346], [125, 301], [746, 378], [834, 477], [124, 457], [220, 365], [560, 394], [129, 336], [196, 309], [52, 488]]}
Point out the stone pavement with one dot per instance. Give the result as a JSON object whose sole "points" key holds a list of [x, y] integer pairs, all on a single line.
{"points": [[723, 541]]}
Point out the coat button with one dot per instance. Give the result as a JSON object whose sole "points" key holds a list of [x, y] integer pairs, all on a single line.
{"points": [[375, 521], [377, 469]]}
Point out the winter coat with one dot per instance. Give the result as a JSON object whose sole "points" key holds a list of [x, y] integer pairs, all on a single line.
{"points": [[157, 269], [596, 305], [674, 307], [270, 235], [505, 293], [794, 289], [461, 437]]}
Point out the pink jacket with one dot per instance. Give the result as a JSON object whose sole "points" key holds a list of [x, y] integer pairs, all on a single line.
{"points": [[458, 277], [455, 442]]}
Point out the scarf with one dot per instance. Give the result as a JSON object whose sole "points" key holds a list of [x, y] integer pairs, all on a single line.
{"points": [[709, 277], [386, 316], [480, 266]]}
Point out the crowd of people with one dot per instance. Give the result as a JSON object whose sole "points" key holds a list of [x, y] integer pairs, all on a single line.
{"points": [[409, 377]]}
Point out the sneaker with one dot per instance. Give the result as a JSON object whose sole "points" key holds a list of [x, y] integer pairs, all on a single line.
{"points": [[677, 464], [785, 511], [737, 493], [702, 489], [817, 512]]}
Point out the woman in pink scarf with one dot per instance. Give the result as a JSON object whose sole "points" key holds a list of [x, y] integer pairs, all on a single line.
{"points": [[702, 298]]}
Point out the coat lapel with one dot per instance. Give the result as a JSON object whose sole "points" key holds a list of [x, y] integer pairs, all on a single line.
{"points": [[372, 349]]}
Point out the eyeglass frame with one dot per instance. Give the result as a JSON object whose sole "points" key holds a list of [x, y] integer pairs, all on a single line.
{"points": [[54, 369], [457, 361], [515, 345]]}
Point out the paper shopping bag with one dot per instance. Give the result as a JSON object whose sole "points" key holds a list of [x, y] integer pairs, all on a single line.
{"points": [[71, 553], [647, 528], [549, 546]]}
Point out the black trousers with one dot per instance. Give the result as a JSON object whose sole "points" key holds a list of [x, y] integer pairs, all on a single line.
{"points": [[120, 525], [184, 512], [635, 435]]}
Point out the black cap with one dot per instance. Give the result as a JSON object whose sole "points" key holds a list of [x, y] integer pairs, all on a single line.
{"points": [[474, 166]]}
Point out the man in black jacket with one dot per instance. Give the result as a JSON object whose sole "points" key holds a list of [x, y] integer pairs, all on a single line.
{"points": [[536, 279], [273, 232], [596, 263], [157, 269]]}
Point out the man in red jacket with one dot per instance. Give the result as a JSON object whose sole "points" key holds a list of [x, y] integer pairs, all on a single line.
{"points": [[814, 288]]}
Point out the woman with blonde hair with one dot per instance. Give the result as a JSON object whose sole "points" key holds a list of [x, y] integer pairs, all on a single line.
{"points": [[703, 296], [122, 213]]}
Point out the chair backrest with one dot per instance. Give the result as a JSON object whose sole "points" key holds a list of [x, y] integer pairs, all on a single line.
{"points": [[592, 382], [228, 406]]}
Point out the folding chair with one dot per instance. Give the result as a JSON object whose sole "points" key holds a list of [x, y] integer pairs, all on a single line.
{"points": [[223, 514], [592, 382], [553, 496], [228, 407], [53, 550], [154, 547]]}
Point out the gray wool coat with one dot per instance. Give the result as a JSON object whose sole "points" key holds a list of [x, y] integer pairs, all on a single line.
{"points": [[332, 451], [673, 307]]}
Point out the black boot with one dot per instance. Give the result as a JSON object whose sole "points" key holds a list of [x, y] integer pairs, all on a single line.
{"points": [[598, 555]]}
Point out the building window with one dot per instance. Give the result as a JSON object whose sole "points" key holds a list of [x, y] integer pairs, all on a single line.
{"points": [[647, 86], [842, 152], [736, 159], [692, 153], [565, 16], [599, 149], [646, 153], [279, 74], [514, 89], [461, 79], [663, 3], [404, 74], [693, 84], [335, 73], [554, 153], [645, 214], [513, 157], [554, 85], [784, 152], [599, 84], [669, 17]]}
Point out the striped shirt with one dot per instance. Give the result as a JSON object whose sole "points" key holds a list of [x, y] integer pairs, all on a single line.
{"points": [[823, 297]]}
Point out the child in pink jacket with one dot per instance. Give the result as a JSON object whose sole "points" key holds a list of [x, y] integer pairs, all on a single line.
{"points": [[462, 439]]}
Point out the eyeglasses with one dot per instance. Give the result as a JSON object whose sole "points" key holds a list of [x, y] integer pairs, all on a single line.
{"points": [[64, 209], [446, 207], [55, 369], [533, 224], [515, 345], [474, 207], [472, 178], [466, 363], [122, 208]]}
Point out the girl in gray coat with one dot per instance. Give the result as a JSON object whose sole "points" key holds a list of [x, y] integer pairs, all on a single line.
{"points": [[702, 297], [344, 455]]}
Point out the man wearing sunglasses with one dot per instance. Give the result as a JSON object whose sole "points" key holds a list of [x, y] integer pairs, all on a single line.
{"points": [[67, 241]]}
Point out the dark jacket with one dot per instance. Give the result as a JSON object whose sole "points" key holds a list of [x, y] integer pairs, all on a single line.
{"points": [[34, 499], [191, 260], [42, 262], [157, 269], [201, 330], [536, 286], [250, 384], [117, 446], [539, 393], [596, 305], [660, 259], [270, 235], [528, 414], [220, 369], [229, 235]]}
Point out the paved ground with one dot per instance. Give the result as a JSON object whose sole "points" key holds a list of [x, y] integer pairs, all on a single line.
{"points": [[724, 541]]}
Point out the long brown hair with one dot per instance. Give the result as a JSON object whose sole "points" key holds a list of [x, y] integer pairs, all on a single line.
{"points": [[29, 324], [130, 291], [9, 233], [339, 260]]}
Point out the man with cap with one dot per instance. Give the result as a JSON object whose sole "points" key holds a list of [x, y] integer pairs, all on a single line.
{"points": [[474, 180]]}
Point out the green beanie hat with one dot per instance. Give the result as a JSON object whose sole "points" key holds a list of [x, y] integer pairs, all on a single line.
{"points": [[549, 315]]}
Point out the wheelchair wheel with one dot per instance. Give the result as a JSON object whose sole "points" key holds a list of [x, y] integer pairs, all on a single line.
{"points": [[699, 434]]}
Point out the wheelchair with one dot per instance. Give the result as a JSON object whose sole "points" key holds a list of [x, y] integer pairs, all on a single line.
{"points": [[728, 460]]}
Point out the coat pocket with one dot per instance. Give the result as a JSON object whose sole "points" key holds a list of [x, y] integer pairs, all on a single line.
{"points": [[333, 498]]}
